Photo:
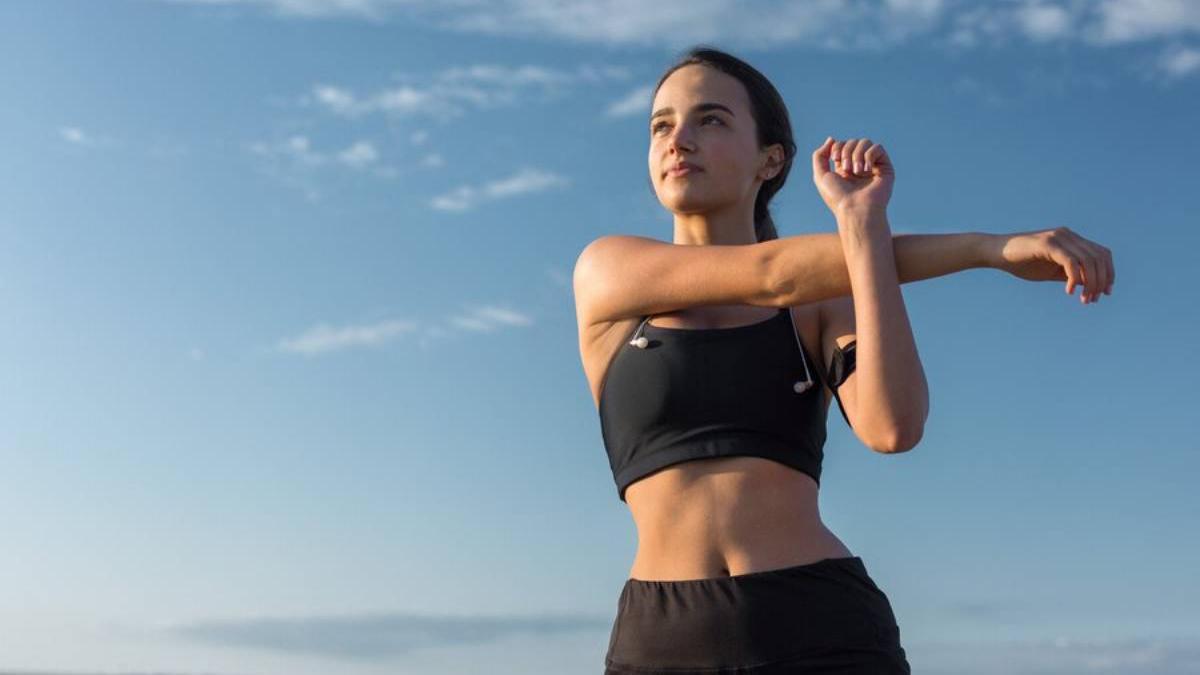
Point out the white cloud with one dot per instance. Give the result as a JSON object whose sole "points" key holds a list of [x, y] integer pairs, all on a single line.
{"points": [[460, 198], [73, 135], [1044, 22], [358, 155], [1122, 21], [292, 160], [324, 338], [77, 136], [830, 24], [524, 181], [455, 90], [1065, 655], [338, 100], [1179, 61], [488, 318], [636, 101]]}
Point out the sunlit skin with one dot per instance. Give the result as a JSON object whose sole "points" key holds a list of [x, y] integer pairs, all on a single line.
{"points": [[728, 515], [735, 515], [716, 204], [862, 179]]}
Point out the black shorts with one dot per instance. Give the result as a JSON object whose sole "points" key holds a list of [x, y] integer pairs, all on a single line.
{"points": [[823, 617]]}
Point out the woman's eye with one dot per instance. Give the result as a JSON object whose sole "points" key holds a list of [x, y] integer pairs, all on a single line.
{"points": [[654, 129]]}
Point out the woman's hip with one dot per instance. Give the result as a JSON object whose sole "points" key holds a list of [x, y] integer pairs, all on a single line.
{"points": [[827, 616]]}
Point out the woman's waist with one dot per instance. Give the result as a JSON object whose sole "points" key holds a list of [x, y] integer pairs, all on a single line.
{"points": [[700, 538], [691, 555]]}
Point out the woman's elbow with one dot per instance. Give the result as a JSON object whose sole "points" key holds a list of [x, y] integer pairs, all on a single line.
{"points": [[907, 434], [903, 439]]}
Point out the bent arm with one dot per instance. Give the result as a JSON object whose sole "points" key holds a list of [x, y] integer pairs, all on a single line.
{"points": [[891, 393], [811, 267]]}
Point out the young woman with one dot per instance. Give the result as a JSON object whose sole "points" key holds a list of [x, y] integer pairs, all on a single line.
{"points": [[713, 415]]}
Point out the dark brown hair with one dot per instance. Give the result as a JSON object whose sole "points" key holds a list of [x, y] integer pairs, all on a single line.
{"points": [[770, 117]]}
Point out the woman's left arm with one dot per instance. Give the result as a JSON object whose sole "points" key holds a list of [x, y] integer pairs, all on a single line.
{"points": [[891, 395]]}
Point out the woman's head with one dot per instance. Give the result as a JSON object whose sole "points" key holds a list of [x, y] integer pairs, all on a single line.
{"points": [[743, 145]]}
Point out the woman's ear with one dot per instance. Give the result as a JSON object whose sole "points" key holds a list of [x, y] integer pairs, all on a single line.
{"points": [[773, 162]]}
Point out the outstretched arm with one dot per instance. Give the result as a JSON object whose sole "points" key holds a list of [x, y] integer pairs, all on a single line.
{"points": [[917, 257], [1057, 254], [863, 177]]}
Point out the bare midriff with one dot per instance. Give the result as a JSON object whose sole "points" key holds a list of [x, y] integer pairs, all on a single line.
{"points": [[726, 516]]}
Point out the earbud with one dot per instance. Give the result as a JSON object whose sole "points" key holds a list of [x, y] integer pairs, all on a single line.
{"points": [[800, 387], [640, 341]]}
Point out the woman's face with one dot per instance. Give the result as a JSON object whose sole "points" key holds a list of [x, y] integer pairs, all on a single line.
{"points": [[702, 116]]}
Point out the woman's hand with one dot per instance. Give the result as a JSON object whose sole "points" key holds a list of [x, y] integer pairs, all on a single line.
{"points": [[862, 177], [1054, 255]]}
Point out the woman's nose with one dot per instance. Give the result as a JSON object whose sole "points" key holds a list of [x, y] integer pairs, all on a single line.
{"points": [[681, 138]]}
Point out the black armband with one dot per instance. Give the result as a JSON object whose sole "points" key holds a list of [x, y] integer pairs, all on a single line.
{"points": [[839, 370]]}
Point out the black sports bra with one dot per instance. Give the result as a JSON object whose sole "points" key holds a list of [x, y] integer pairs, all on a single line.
{"points": [[675, 394]]}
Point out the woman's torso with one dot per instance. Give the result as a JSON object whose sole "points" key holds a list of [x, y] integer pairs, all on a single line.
{"points": [[721, 516]]}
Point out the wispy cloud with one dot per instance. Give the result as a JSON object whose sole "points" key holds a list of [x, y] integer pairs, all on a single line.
{"points": [[325, 338], [298, 149], [524, 181], [833, 24], [292, 161], [637, 100], [1178, 61], [1058, 656], [376, 636], [77, 136], [454, 91], [488, 318], [1043, 22], [1121, 21]]}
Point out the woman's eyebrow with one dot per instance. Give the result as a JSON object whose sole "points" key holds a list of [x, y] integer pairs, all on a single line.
{"points": [[698, 107]]}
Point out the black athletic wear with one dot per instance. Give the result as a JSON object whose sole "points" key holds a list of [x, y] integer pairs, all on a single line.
{"points": [[822, 618], [716, 392], [691, 393]]}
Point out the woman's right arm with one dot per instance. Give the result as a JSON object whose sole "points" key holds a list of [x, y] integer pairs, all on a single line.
{"points": [[624, 276]]}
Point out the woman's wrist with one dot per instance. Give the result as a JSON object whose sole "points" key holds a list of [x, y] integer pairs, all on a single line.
{"points": [[854, 214], [862, 226], [987, 248]]}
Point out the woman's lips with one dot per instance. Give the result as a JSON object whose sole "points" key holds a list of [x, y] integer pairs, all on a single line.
{"points": [[682, 171]]}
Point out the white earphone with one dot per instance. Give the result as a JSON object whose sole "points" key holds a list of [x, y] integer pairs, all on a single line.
{"points": [[641, 341]]}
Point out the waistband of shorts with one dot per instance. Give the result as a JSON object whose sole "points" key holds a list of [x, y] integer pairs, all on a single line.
{"points": [[854, 562]]}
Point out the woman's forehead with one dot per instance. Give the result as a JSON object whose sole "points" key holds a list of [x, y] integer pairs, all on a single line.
{"points": [[696, 83]]}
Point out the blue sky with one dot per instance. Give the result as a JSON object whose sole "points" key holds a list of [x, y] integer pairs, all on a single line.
{"points": [[291, 376]]}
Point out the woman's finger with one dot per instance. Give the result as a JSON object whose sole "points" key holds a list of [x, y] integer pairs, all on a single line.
{"points": [[1098, 258], [847, 156], [858, 159], [871, 156], [1086, 263], [820, 159], [1069, 265], [1112, 269], [836, 154]]}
